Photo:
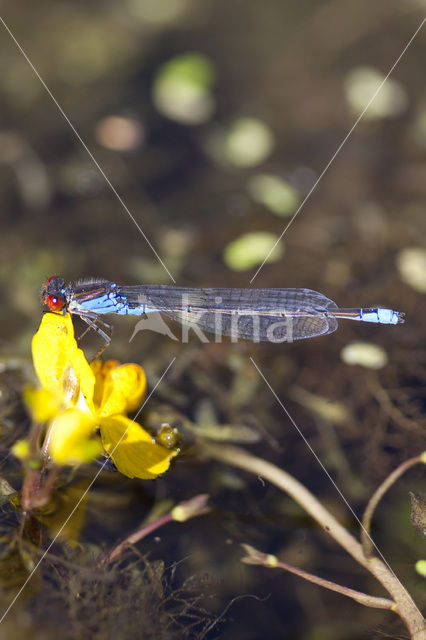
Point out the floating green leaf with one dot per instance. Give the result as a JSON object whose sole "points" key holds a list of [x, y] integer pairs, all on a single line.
{"points": [[251, 249], [421, 567], [361, 85], [182, 87], [248, 142], [365, 354], [273, 192], [411, 264]]}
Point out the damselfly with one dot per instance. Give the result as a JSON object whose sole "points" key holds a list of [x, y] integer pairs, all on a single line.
{"points": [[274, 315]]}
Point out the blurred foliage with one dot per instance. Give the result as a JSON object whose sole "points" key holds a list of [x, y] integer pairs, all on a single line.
{"points": [[246, 142], [276, 194], [365, 354], [362, 84], [251, 249], [181, 89]]}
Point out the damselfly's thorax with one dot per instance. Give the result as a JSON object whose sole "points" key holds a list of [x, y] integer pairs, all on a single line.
{"points": [[53, 294]]}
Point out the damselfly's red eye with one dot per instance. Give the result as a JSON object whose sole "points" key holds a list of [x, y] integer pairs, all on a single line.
{"points": [[55, 303]]}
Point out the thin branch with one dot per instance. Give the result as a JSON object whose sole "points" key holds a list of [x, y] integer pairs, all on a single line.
{"points": [[183, 511], [377, 496], [254, 556], [404, 605]]}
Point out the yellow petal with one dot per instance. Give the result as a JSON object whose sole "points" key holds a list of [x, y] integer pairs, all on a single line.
{"points": [[70, 438], [50, 347], [101, 370], [42, 403], [21, 449], [60, 365], [136, 454], [123, 388]]}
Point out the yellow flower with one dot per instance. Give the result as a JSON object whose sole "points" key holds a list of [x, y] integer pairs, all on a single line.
{"points": [[87, 405]]}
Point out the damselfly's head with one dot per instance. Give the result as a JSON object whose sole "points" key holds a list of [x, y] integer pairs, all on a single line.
{"points": [[53, 294]]}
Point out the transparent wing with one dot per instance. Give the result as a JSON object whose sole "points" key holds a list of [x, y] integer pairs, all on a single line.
{"points": [[275, 315]]}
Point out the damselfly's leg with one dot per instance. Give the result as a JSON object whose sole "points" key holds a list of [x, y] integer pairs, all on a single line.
{"points": [[94, 321], [106, 463]]}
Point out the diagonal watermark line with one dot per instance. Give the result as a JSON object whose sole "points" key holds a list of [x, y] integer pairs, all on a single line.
{"points": [[86, 148], [293, 422], [82, 496], [341, 145]]}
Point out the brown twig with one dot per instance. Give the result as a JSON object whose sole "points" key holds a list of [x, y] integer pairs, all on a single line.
{"points": [[367, 544], [383, 398], [189, 509], [403, 604], [254, 556]]}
